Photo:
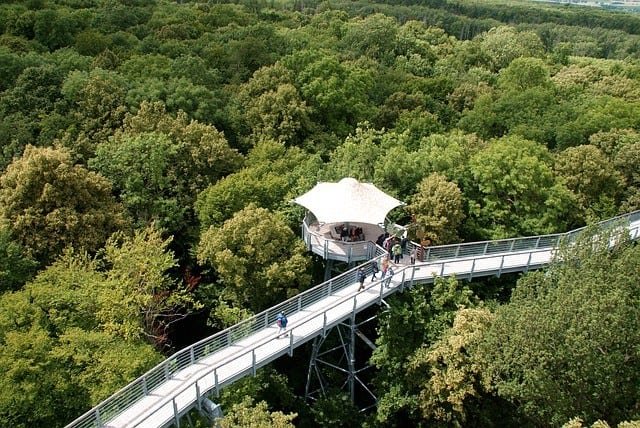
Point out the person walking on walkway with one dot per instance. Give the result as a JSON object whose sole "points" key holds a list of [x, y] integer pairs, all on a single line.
{"points": [[361, 277], [281, 321], [387, 283], [374, 269], [385, 266]]}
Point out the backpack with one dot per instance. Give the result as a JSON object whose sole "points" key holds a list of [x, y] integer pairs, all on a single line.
{"points": [[283, 321], [374, 266]]}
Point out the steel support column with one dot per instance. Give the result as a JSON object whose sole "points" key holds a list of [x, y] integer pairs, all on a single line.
{"points": [[340, 358]]}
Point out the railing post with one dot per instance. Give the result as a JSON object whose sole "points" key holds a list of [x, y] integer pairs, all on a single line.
{"points": [[215, 382], [291, 343], [299, 303], [175, 412], [192, 355], [324, 323], [473, 266], [253, 362], [266, 318], [513, 241], [486, 246], [442, 269], [166, 370], [198, 397], [428, 255], [528, 262], [330, 287], [457, 251], [538, 242], [500, 268], [144, 385], [98, 418]]}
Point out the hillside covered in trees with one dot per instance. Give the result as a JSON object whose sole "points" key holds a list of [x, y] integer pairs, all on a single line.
{"points": [[150, 148]]}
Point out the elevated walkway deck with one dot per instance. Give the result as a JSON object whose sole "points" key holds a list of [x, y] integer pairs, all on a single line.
{"points": [[161, 396]]}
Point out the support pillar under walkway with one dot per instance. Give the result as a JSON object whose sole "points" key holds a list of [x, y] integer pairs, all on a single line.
{"points": [[333, 364]]}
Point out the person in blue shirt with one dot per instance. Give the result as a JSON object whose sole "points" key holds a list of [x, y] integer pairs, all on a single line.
{"points": [[281, 321]]}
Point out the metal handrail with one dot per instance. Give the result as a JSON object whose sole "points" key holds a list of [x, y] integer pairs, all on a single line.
{"points": [[162, 372], [352, 252], [511, 244]]}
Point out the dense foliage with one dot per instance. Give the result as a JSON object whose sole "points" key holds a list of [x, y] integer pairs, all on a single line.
{"points": [[150, 150]]}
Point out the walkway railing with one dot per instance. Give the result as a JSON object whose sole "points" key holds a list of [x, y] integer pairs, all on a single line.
{"points": [[335, 249], [163, 372], [481, 248]]}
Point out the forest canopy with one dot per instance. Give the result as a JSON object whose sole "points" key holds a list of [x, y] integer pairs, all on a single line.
{"points": [[150, 150]]}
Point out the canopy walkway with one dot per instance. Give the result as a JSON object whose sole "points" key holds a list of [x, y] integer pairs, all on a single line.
{"points": [[167, 392]]}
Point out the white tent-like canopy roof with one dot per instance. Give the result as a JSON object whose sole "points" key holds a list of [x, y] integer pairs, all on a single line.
{"points": [[348, 201]]}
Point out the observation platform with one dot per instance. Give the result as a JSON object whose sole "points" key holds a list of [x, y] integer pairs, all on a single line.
{"points": [[324, 240]]}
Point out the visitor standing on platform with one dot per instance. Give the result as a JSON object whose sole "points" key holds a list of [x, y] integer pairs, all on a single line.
{"points": [[397, 252], [361, 277]]}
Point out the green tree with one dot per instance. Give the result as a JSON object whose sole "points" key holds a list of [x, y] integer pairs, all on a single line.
{"points": [[422, 314], [51, 203], [566, 344], [34, 92], [273, 107], [257, 258], [358, 156], [98, 98], [512, 191], [592, 178], [623, 148], [373, 36], [447, 376], [159, 163], [249, 415], [150, 300], [592, 114], [504, 44], [274, 174], [524, 73], [100, 363], [15, 267], [336, 91], [268, 386], [36, 390], [437, 208], [55, 28], [55, 344], [142, 168]]}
